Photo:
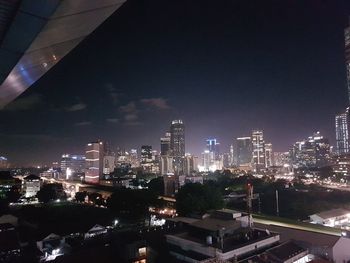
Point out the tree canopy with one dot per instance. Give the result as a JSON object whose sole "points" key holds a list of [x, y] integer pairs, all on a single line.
{"points": [[197, 198]]}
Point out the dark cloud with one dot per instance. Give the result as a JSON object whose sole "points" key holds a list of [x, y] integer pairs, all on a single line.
{"points": [[76, 107], [112, 120], [129, 108], [157, 103], [113, 93], [83, 123], [25, 103]]}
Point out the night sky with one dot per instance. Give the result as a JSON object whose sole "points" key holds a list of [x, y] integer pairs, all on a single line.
{"points": [[224, 67]]}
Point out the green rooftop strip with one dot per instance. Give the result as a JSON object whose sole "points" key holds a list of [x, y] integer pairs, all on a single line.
{"points": [[285, 222]]}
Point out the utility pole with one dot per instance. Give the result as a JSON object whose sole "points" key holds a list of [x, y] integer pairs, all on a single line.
{"points": [[277, 205], [249, 203]]}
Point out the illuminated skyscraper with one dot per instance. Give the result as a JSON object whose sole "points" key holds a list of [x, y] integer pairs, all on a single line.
{"points": [[177, 144], [94, 162], [244, 151], [146, 158], [312, 152], [268, 155], [258, 145], [165, 144], [213, 147], [71, 164], [347, 56], [342, 132]]}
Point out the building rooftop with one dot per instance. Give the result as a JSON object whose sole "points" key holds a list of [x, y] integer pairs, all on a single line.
{"points": [[231, 242], [215, 224], [32, 177], [307, 237], [333, 213], [286, 251]]}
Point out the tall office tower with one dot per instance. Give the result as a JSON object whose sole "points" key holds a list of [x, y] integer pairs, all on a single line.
{"points": [[72, 164], [258, 146], [281, 159], [342, 122], [165, 144], [213, 147], [244, 151], [232, 156], [3, 162], [206, 161], [190, 164], [347, 56], [134, 159], [166, 165], [109, 163], [94, 162], [177, 144], [146, 158], [226, 160], [312, 152], [268, 155]]}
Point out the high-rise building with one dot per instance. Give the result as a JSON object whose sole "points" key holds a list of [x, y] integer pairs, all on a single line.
{"points": [[3, 162], [190, 164], [232, 156], [177, 144], [347, 56], [94, 162], [72, 164], [281, 158], [268, 155], [213, 146], [342, 122], [244, 151], [146, 158], [109, 164], [166, 165], [134, 159], [258, 145], [312, 152], [165, 144]]}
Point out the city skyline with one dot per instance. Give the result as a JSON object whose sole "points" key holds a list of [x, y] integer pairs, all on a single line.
{"points": [[205, 73]]}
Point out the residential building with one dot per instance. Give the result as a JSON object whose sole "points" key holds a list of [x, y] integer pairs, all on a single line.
{"points": [[52, 247]]}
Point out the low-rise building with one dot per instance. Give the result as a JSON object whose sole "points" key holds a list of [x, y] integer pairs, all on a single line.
{"points": [[10, 249], [96, 230], [333, 218], [52, 247], [31, 185], [224, 235]]}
